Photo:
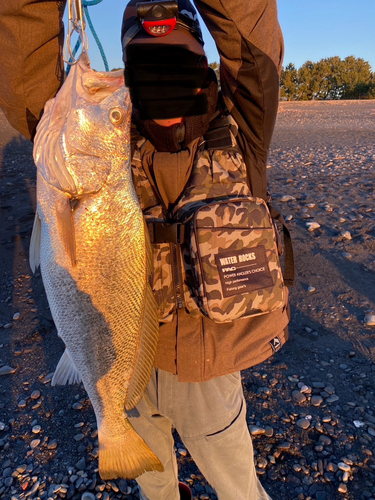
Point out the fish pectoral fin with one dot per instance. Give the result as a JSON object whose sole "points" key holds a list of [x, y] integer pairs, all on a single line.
{"points": [[35, 242], [66, 372], [65, 227], [126, 456]]}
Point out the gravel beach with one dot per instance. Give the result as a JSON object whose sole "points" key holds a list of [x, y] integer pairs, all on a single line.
{"points": [[311, 407]]}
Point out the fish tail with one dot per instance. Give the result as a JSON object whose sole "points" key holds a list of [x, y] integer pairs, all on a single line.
{"points": [[126, 456]]}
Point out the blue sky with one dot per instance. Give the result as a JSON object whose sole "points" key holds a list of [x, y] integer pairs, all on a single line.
{"points": [[312, 30]]}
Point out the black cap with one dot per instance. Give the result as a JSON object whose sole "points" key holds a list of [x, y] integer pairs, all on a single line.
{"points": [[187, 32]]}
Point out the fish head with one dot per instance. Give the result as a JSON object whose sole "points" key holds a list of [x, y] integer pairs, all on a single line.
{"points": [[83, 129]]}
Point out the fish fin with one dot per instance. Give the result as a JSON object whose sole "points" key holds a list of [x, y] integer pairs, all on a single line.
{"points": [[148, 341], [65, 226], [66, 372], [126, 456], [35, 242]]}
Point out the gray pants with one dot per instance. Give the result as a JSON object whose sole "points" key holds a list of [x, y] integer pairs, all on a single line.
{"points": [[210, 418]]}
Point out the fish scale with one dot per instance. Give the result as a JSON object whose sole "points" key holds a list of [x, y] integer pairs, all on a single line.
{"points": [[91, 242]]}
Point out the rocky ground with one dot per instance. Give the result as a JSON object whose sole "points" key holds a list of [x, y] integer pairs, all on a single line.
{"points": [[311, 408]]}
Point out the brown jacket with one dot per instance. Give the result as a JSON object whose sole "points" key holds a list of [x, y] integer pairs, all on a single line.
{"points": [[250, 45], [31, 65]]}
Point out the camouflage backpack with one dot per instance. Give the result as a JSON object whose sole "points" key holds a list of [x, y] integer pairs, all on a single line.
{"points": [[216, 252]]}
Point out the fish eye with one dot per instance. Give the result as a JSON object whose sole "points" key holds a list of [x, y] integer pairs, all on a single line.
{"points": [[116, 116]]}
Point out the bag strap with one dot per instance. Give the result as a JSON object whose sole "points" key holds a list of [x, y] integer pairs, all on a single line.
{"points": [[135, 136], [289, 274], [218, 135], [222, 126]]}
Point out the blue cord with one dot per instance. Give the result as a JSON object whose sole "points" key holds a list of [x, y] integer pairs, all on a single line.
{"points": [[89, 3], [96, 38], [86, 4]]}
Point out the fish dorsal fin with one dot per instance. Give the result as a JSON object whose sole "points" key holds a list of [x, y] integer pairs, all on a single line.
{"points": [[66, 372], [148, 340], [35, 241]]}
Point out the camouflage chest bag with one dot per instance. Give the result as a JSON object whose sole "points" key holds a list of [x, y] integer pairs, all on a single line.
{"points": [[216, 252]]}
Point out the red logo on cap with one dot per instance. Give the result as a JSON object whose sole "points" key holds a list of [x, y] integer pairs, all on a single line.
{"points": [[159, 28]]}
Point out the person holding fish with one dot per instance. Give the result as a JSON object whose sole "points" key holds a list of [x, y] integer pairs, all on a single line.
{"points": [[198, 163]]}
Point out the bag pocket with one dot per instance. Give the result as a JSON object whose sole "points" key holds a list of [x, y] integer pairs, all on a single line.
{"points": [[235, 260]]}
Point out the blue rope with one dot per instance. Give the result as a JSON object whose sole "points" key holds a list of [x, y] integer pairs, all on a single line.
{"points": [[86, 4], [89, 3], [96, 38]]}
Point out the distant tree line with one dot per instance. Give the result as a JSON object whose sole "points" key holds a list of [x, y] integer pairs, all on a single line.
{"points": [[216, 67], [331, 78]]}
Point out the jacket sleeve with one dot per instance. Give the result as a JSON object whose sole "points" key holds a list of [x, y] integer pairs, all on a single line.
{"points": [[250, 44], [31, 66]]}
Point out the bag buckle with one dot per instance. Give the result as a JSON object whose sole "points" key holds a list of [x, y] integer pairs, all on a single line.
{"points": [[161, 232]]}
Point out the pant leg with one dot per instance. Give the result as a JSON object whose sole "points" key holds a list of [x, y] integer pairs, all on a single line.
{"points": [[156, 430], [211, 421]]}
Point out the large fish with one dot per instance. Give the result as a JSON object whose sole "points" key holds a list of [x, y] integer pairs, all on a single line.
{"points": [[90, 240]]}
